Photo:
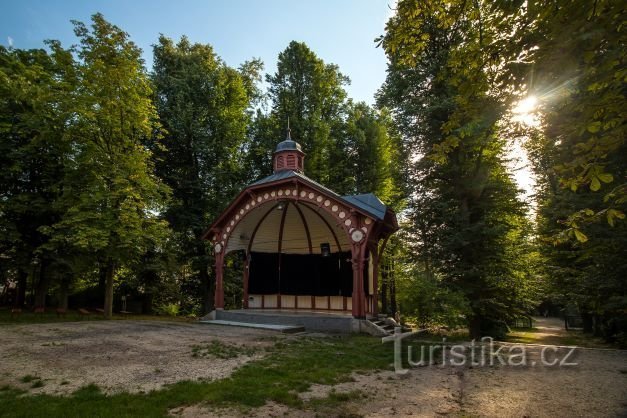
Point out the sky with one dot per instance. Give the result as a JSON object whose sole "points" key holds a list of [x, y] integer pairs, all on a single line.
{"points": [[338, 31]]}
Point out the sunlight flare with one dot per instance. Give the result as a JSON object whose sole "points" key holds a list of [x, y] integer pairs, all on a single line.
{"points": [[525, 111]]}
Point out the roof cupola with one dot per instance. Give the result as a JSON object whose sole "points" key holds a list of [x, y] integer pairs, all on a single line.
{"points": [[288, 155]]}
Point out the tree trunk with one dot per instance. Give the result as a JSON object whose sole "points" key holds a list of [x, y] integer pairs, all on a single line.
{"points": [[208, 286], [108, 300], [588, 325], [147, 303], [392, 286], [474, 327], [42, 278], [384, 289], [63, 294], [102, 277], [22, 281]]}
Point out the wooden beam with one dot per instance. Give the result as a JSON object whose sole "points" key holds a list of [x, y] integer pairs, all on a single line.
{"points": [[337, 241], [302, 218], [281, 227]]}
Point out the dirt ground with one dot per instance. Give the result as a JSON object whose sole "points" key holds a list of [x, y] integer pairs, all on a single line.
{"points": [[143, 355], [118, 356], [597, 387]]}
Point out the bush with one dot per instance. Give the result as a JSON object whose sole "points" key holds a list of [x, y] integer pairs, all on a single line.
{"points": [[169, 309], [430, 303]]}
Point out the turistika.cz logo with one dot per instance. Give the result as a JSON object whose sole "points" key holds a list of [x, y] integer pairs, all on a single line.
{"points": [[486, 352]]}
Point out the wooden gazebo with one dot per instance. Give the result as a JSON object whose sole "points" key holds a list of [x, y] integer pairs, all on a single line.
{"points": [[307, 248]]}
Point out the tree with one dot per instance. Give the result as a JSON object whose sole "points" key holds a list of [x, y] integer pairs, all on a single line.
{"points": [[203, 106], [577, 153], [374, 160], [579, 79], [311, 94], [35, 88], [111, 199], [452, 65]]}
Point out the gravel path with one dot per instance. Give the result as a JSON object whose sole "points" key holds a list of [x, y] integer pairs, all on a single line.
{"points": [[131, 356]]}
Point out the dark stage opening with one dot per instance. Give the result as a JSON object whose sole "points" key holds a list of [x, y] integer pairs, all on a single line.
{"points": [[300, 274]]}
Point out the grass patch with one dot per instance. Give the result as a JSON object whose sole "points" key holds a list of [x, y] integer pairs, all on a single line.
{"points": [[290, 367], [28, 378], [567, 338], [37, 384], [330, 405], [50, 316], [221, 350]]}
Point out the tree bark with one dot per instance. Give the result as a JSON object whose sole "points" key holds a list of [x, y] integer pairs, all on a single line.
{"points": [[392, 287], [22, 281], [63, 294], [474, 327], [147, 303], [102, 277], [42, 278], [384, 289], [208, 286], [108, 300]]}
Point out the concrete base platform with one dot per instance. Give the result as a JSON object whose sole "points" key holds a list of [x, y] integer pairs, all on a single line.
{"points": [[310, 320], [286, 329]]}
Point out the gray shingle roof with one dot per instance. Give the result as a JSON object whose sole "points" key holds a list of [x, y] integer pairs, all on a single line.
{"points": [[369, 203]]}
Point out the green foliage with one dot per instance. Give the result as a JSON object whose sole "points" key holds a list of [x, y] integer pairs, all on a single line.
{"points": [[35, 87], [450, 67], [579, 76], [429, 303], [577, 153], [311, 94], [202, 105], [170, 309], [374, 155], [110, 197]]}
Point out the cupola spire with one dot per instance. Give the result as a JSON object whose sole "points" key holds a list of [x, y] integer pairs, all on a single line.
{"points": [[288, 154]]}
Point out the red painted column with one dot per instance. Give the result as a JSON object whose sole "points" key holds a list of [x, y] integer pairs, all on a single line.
{"points": [[219, 294], [359, 301]]}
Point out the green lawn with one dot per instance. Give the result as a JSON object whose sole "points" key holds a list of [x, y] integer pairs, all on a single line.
{"points": [[50, 316], [290, 368], [567, 338]]}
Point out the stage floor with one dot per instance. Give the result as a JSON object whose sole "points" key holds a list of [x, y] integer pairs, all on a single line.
{"points": [[329, 321]]}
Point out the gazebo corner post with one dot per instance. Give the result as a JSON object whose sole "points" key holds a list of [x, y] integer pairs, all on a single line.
{"points": [[358, 259], [219, 293]]}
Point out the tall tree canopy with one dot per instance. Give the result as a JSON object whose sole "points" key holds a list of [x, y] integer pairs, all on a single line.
{"points": [[350, 147], [202, 104], [578, 154], [111, 198], [35, 88], [447, 86]]}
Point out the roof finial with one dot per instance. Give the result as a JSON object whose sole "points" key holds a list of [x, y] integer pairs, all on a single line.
{"points": [[289, 137]]}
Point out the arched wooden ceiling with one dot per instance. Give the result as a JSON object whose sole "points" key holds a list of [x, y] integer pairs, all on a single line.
{"points": [[291, 227]]}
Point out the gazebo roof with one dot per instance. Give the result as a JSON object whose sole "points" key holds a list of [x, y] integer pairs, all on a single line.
{"points": [[366, 202], [308, 213]]}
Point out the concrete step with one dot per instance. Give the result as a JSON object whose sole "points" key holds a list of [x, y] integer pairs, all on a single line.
{"points": [[286, 329]]}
